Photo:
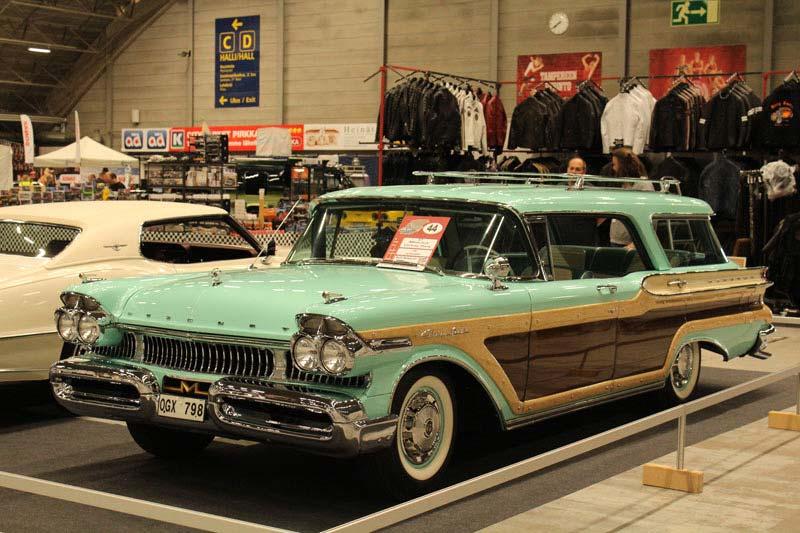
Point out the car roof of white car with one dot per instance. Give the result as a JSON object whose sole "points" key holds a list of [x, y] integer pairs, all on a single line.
{"points": [[93, 213]]}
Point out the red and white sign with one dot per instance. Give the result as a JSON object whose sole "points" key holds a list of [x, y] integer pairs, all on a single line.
{"points": [[705, 66], [240, 138], [562, 71], [27, 138], [416, 240]]}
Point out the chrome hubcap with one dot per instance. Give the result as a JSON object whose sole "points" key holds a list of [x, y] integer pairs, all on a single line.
{"points": [[421, 430], [683, 367]]}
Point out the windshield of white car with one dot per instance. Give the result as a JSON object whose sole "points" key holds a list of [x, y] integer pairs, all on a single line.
{"points": [[361, 234], [34, 239]]}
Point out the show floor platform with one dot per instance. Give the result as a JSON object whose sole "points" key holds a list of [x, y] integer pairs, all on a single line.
{"points": [[282, 488]]}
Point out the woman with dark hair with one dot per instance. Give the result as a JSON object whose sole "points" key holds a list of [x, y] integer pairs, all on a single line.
{"points": [[626, 164]]}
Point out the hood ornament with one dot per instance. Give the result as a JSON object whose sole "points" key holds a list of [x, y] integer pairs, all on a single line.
{"points": [[332, 297], [215, 277]]}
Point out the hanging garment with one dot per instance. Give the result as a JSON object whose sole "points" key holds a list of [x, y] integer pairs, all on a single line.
{"points": [[534, 121], [626, 122], [578, 126], [719, 187], [782, 253], [675, 119], [496, 121], [728, 118], [685, 170], [779, 126]]}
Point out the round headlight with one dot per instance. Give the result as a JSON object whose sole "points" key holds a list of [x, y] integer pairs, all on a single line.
{"points": [[66, 326], [335, 357], [305, 354], [88, 329]]}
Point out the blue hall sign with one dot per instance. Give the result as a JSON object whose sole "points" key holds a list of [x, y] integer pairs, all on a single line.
{"points": [[237, 62]]}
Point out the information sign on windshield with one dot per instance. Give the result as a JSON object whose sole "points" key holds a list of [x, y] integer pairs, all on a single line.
{"points": [[415, 242]]}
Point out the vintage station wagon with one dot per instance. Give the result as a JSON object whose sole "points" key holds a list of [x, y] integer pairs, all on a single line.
{"points": [[500, 300]]}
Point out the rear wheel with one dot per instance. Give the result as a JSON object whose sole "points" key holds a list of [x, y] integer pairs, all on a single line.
{"points": [[168, 443], [683, 375], [426, 430]]}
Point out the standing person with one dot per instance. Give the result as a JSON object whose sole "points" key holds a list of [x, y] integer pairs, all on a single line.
{"points": [[48, 178], [114, 184], [626, 164]]}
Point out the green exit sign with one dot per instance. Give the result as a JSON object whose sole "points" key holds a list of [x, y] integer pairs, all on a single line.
{"points": [[692, 12]]}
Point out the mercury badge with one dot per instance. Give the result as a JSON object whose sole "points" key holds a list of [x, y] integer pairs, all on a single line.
{"points": [[215, 277], [443, 332]]}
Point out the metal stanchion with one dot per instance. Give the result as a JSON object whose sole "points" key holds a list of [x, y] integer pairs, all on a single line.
{"points": [[797, 405], [679, 459]]}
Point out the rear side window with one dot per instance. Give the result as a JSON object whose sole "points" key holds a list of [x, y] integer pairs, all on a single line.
{"points": [[195, 241], [32, 239], [689, 242], [587, 246]]}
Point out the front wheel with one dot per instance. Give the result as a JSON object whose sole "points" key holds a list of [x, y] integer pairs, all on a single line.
{"points": [[683, 375], [168, 443], [426, 429]]}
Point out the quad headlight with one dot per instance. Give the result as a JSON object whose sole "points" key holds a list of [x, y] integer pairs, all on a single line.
{"points": [[325, 344], [79, 321]]}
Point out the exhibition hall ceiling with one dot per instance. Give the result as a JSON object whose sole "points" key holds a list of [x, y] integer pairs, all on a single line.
{"points": [[49, 48]]}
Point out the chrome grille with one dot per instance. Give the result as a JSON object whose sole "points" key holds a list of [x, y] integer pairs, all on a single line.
{"points": [[125, 349], [208, 357], [360, 382]]}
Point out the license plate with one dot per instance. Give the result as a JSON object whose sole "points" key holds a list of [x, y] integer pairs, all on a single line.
{"points": [[181, 407]]}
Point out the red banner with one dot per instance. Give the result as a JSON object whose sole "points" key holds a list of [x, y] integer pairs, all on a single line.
{"points": [[693, 62], [563, 71], [416, 239], [240, 138]]}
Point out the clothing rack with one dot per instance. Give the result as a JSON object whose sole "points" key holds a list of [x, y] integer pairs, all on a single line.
{"points": [[383, 70]]}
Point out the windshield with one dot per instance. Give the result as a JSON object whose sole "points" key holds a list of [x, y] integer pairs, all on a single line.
{"points": [[33, 239], [363, 234]]}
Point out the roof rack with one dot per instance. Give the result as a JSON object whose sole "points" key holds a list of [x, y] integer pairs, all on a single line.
{"points": [[572, 181]]}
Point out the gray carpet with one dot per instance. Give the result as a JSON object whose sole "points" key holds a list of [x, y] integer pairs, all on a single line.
{"points": [[288, 489]]}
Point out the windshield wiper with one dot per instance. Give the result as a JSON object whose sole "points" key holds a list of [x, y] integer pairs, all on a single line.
{"points": [[398, 262], [365, 261]]}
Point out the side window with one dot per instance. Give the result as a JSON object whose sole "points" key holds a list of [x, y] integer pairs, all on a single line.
{"points": [[689, 242], [194, 241], [591, 246]]}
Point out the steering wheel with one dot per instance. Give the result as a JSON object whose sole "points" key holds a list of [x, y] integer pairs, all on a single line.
{"points": [[469, 254]]}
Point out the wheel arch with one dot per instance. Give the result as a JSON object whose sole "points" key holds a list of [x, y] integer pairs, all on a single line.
{"points": [[465, 378]]}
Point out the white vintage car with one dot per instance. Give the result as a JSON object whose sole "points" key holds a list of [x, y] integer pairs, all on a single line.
{"points": [[46, 247]]}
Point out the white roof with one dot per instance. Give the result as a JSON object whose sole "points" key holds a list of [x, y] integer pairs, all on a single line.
{"points": [[104, 213], [104, 225], [93, 154]]}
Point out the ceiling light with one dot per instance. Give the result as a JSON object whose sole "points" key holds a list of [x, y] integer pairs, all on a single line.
{"points": [[38, 50]]}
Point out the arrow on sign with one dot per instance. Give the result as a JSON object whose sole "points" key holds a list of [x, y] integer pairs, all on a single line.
{"points": [[236, 24], [222, 100], [701, 12]]}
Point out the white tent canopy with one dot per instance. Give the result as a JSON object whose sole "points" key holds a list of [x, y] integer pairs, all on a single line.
{"points": [[93, 154]]}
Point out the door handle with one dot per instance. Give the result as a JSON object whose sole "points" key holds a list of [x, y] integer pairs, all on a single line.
{"points": [[680, 283], [612, 289]]}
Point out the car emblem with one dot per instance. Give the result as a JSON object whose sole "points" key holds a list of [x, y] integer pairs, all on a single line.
{"points": [[116, 247], [215, 277], [332, 297]]}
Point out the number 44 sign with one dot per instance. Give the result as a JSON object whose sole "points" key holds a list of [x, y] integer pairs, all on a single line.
{"points": [[415, 241]]}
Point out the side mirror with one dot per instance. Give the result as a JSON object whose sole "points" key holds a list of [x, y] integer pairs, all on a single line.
{"points": [[497, 268]]}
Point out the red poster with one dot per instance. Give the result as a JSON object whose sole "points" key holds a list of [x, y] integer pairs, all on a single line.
{"points": [[563, 71], [240, 138], [416, 240], [707, 61]]}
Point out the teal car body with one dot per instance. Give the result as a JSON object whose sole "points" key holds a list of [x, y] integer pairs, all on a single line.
{"points": [[551, 337]]}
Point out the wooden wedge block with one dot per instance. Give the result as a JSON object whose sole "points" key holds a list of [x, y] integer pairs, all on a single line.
{"points": [[668, 477], [784, 420]]}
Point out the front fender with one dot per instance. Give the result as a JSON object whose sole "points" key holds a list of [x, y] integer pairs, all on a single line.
{"points": [[387, 373]]}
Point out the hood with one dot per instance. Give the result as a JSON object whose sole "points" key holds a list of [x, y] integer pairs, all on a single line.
{"points": [[15, 268], [264, 303]]}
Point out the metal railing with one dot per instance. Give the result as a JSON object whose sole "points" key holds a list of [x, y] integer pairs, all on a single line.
{"points": [[446, 496]]}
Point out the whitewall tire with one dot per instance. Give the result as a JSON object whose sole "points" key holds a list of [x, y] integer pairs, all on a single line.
{"points": [[683, 373], [427, 426]]}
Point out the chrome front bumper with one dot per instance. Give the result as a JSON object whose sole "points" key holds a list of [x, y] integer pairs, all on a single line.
{"points": [[245, 408]]}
